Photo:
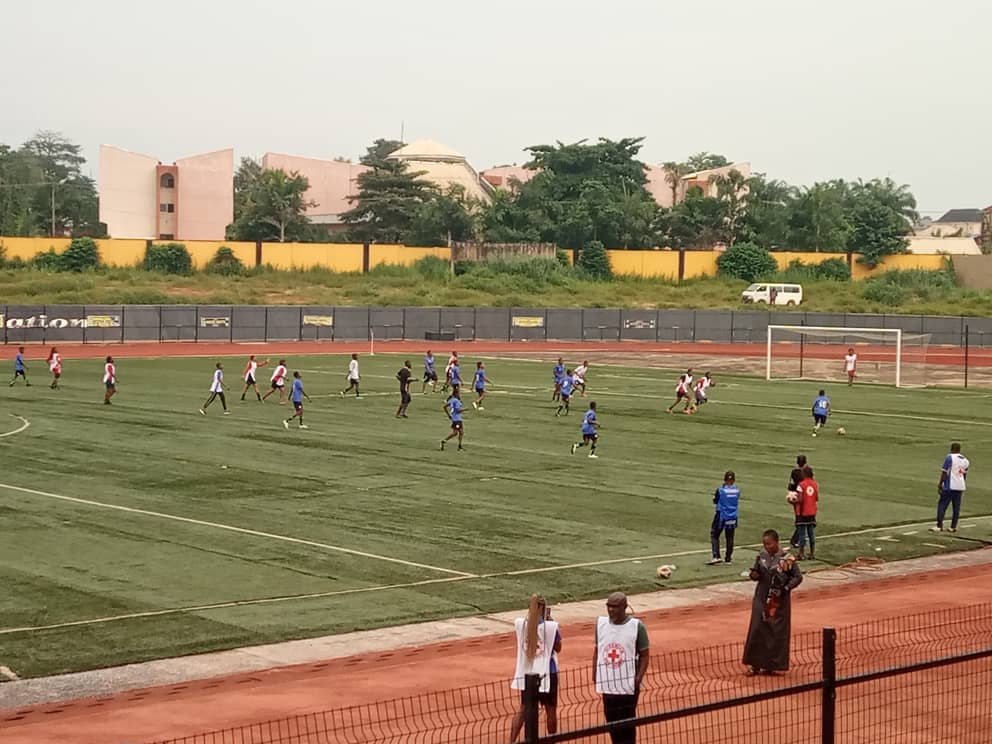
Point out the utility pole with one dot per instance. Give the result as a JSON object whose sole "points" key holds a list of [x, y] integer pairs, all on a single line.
{"points": [[52, 232]]}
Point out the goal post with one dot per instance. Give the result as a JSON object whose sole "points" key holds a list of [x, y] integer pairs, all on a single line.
{"points": [[885, 355]]}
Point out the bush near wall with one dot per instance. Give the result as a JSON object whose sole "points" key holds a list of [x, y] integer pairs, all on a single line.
{"points": [[225, 262], [169, 258]]}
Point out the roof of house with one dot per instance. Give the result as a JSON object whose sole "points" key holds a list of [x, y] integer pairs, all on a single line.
{"points": [[962, 215], [426, 149]]}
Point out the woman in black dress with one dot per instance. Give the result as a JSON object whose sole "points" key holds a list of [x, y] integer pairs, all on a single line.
{"points": [[767, 647]]}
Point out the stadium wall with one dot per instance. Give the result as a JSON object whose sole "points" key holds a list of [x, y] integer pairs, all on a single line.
{"points": [[241, 323], [357, 257]]}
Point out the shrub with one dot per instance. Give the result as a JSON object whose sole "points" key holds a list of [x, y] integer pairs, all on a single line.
{"points": [[594, 260], [433, 267], [885, 293], [82, 254], [226, 263], [169, 258], [917, 279], [834, 269], [746, 261], [47, 261], [562, 257]]}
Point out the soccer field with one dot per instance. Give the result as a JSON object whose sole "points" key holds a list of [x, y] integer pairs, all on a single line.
{"points": [[143, 530]]}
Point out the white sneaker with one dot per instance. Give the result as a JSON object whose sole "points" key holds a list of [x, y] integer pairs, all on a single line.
{"points": [[227, 413], [574, 448], [475, 405], [936, 529], [481, 408], [202, 412], [304, 426], [593, 456], [714, 562], [285, 425]]}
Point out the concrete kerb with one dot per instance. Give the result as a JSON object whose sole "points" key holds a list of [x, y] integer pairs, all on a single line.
{"points": [[20, 693]]}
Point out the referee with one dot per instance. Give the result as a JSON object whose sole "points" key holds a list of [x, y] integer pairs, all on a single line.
{"points": [[404, 375]]}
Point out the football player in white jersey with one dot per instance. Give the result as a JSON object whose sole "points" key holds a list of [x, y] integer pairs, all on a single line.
{"points": [[216, 391], [579, 377], [702, 384], [353, 378], [251, 377], [683, 391], [278, 382]]}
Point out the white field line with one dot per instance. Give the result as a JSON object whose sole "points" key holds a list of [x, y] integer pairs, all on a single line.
{"points": [[232, 528], [24, 425], [447, 580]]}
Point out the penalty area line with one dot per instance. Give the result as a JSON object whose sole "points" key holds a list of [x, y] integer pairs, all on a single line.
{"points": [[233, 528], [24, 425]]}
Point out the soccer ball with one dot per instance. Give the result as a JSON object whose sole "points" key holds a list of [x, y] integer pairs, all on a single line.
{"points": [[664, 572], [792, 497], [842, 431]]}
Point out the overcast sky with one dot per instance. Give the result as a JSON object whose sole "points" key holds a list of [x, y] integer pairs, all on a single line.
{"points": [[805, 91]]}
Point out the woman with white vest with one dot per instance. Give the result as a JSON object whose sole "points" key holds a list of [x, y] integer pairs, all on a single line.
{"points": [[619, 664], [538, 644]]}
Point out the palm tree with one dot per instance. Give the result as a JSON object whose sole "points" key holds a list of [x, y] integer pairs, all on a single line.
{"points": [[674, 172]]}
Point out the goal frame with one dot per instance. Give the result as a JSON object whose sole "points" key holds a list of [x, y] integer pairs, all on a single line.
{"points": [[897, 332]]}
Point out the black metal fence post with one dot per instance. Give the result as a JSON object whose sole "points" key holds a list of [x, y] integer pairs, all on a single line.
{"points": [[966, 346], [532, 686], [828, 712]]}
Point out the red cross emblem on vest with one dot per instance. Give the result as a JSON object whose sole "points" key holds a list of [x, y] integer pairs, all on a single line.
{"points": [[614, 655]]}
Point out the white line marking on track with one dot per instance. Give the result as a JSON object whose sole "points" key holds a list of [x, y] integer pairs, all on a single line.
{"points": [[24, 425], [935, 545], [232, 528], [907, 534]]}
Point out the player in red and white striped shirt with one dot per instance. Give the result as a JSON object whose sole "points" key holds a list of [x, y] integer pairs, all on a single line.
{"points": [[278, 381], [55, 365], [109, 380]]}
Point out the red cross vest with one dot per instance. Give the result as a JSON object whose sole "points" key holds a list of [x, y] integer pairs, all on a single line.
{"points": [[616, 656]]}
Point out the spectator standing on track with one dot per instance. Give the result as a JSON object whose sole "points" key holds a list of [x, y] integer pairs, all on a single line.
{"points": [[951, 487], [766, 649], [619, 664], [538, 646]]}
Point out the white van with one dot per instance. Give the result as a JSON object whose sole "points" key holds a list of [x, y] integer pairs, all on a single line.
{"points": [[773, 294]]}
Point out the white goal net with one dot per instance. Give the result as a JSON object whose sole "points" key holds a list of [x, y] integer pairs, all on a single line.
{"points": [[888, 356]]}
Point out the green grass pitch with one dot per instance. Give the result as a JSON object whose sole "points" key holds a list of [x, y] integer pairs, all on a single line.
{"points": [[147, 530]]}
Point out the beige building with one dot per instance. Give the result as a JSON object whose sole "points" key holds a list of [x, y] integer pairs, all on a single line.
{"points": [[444, 167], [956, 223], [332, 182], [505, 176], [192, 199]]}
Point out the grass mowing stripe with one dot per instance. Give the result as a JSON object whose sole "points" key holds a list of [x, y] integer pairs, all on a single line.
{"points": [[447, 580], [232, 528], [24, 425]]}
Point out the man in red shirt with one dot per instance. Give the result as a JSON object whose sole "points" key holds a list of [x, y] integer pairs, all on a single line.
{"points": [[809, 496]]}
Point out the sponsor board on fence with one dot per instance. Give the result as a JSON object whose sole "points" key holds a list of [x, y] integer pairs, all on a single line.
{"points": [[528, 321], [318, 320], [43, 321], [216, 322], [641, 325]]}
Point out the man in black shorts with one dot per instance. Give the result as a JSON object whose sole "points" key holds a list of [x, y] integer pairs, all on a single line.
{"points": [[406, 371]]}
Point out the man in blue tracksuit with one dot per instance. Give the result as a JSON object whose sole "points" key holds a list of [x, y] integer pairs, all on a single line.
{"points": [[726, 499]]}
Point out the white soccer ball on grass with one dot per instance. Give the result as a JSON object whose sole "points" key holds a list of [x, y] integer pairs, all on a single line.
{"points": [[841, 430]]}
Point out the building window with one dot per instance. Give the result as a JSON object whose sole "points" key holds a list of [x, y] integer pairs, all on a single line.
{"points": [[167, 181], [167, 208], [166, 236]]}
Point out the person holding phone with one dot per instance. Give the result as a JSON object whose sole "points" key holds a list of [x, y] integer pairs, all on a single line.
{"points": [[538, 644]]}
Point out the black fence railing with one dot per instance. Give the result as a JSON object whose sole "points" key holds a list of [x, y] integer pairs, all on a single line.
{"points": [[916, 678]]}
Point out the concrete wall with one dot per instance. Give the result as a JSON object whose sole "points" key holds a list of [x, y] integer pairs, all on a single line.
{"points": [[974, 271], [128, 193], [331, 181]]}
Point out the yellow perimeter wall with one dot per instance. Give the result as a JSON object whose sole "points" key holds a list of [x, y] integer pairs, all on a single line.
{"points": [[349, 256]]}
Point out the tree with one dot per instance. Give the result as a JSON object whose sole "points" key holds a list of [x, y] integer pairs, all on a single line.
{"points": [[732, 193], [704, 161], [818, 219], [674, 172], [746, 261], [769, 205], [388, 201], [20, 175], [450, 215], [696, 222], [877, 230], [377, 152], [272, 205], [595, 260]]}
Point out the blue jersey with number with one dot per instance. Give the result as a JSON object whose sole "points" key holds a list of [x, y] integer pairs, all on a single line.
{"points": [[559, 372], [455, 405], [589, 422], [480, 378], [297, 390], [456, 375], [821, 406], [19, 362], [566, 385]]}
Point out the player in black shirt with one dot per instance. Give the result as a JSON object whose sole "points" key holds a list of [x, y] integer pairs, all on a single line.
{"points": [[404, 377]]}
